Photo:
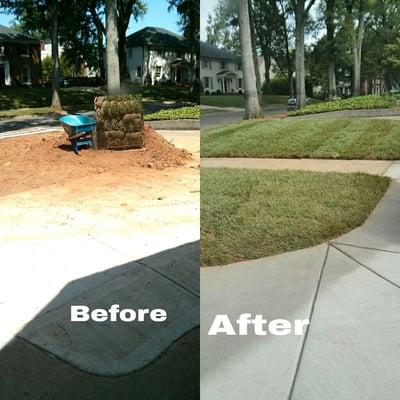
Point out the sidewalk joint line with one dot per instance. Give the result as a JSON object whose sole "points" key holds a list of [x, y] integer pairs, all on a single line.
{"points": [[366, 267], [364, 247], [391, 163], [309, 327], [147, 266], [168, 278]]}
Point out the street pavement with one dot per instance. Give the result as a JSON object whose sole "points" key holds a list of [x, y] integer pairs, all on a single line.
{"points": [[27, 125], [348, 288], [227, 116]]}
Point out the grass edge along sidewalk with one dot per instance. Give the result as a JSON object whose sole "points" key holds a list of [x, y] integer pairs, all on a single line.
{"points": [[339, 138], [250, 214]]}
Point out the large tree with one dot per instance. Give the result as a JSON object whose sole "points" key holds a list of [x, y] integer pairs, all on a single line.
{"points": [[301, 11], [43, 16], [113, 72], [252, 104], [189, 21], [330, 47]]}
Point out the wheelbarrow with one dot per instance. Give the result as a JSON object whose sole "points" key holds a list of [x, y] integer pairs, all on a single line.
{"points": [[80, 130]]}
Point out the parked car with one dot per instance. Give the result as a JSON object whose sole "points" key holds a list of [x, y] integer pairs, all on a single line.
{"points": [[292, 103]]}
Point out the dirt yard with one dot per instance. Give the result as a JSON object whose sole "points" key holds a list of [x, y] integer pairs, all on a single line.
{"points": [[30, 162], [47, 192]]}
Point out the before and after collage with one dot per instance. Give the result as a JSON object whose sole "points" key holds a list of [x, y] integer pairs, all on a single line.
{"points": [[200, 199]]}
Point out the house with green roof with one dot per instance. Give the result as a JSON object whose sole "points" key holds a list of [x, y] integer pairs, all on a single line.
{"points": [[19, 58], [220, 70], [156, 55]]}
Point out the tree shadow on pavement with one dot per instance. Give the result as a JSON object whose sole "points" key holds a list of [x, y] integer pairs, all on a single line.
{"points": [[41, 362]]}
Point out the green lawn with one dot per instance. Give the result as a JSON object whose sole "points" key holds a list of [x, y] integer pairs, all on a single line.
{"points": [[164, 93], [249, 214], [295, 138], [353, 103], [16, 98], [238, 100], [30, 101]]}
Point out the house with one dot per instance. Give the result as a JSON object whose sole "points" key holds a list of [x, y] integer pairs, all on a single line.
{"points": [[19, 58], [220, 70], [158, 55]]}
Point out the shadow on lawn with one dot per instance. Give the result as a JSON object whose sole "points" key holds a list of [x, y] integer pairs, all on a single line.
{"points": [[165, 356]]}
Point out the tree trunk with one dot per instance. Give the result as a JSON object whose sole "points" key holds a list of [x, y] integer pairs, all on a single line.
{"points": [[55, 83], [357, 53], [290, 81], [113, 79], [267, 64], [254, 51], [252, 104], [123, 65], [300, 68], [330, 33], [101, 54], [100, 32]]}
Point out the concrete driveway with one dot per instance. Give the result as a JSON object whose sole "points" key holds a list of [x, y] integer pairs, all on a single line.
{"points": [[100, 240], [348, 288]]}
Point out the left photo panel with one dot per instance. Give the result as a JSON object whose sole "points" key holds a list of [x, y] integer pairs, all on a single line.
{"points": [[99, 199]]}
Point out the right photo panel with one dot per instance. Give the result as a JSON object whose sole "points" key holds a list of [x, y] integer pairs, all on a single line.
{"points": [[300, 199]]}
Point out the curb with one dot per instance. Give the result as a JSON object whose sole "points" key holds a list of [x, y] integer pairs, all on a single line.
{"points": [[363, 113], [177, 124]]}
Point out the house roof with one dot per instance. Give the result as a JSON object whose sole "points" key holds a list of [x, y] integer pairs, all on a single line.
{"points": [[11, 35], [208, 50], [153, 36]]}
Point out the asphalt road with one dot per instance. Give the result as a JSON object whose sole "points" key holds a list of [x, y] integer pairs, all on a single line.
{"points": [[31, 124], [221, 118]]}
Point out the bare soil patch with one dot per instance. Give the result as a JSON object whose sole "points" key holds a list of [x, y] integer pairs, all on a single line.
{"points": [[30, 162]]}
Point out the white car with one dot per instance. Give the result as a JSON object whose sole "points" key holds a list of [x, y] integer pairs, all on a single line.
{"points": [[292, 103]]}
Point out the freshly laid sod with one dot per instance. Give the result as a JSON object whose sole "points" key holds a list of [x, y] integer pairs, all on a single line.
{"points": [[351, 138], [249, 214]]}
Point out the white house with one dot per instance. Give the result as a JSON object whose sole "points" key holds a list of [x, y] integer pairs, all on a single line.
{"points": [[158, 55], [220, 70]]}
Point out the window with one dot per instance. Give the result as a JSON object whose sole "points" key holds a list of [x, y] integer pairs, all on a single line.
{"points": [[25, 50], [139, 71], [239, 66], [208, 83], [1, 49], [25, 74], [204, 64], [240, 83], [130, 52], [223, 65], [158, 71]]}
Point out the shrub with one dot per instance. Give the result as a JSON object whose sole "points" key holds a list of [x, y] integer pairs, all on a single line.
{"points": [[353, 103], [278, 85], [174, 113]]}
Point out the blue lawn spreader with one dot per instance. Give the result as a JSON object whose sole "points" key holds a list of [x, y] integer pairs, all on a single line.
{"points": [[80, 130]]}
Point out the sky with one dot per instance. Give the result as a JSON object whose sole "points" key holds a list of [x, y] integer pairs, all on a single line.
{"points": [[157, 15]]}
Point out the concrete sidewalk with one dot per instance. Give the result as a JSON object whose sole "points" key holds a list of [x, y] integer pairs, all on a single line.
{"points": [[348, 288], [375, 167]]}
